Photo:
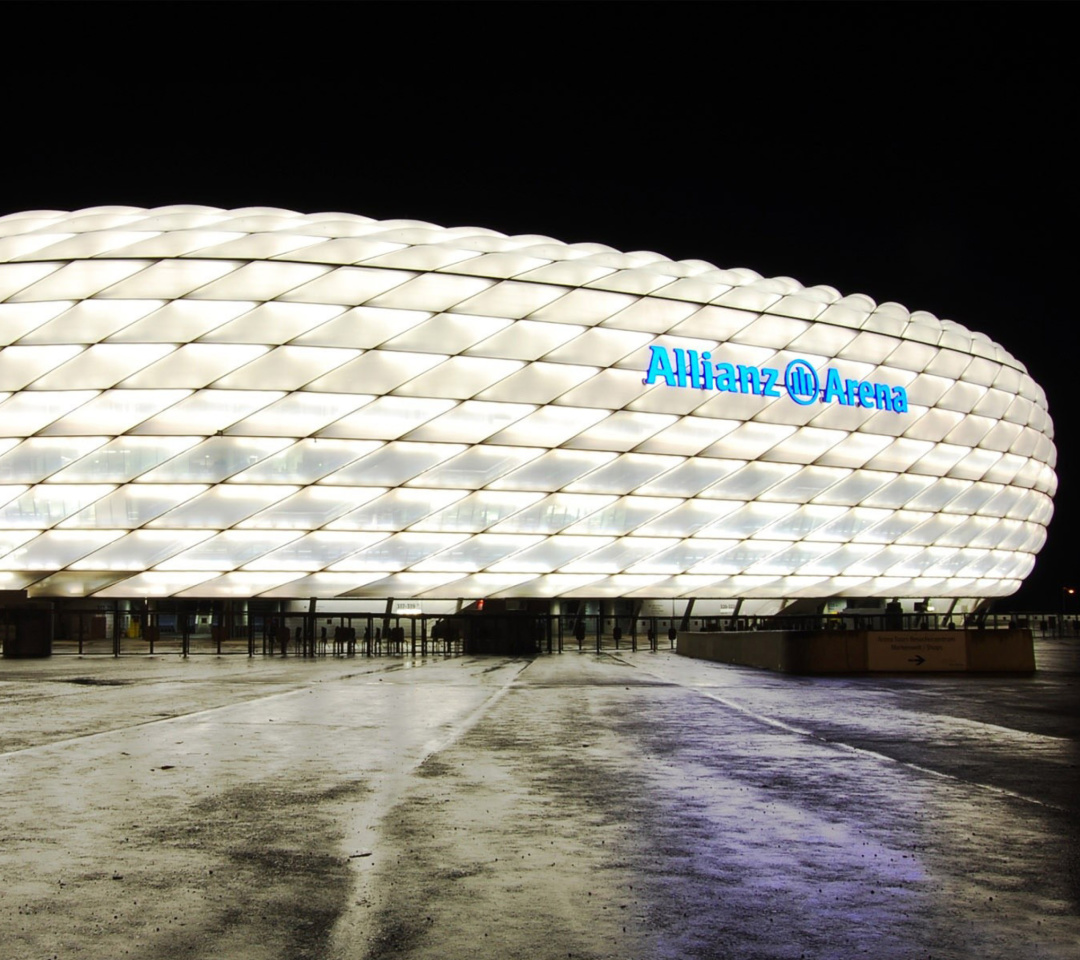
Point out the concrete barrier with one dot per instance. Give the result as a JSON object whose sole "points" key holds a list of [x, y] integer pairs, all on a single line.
{"points": [[867, 651]]}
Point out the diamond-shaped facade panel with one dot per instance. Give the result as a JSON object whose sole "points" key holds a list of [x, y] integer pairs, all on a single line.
{"points": [[208, 403]]}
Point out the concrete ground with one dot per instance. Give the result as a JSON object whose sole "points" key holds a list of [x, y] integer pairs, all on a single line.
{"points": [[580, 806]]}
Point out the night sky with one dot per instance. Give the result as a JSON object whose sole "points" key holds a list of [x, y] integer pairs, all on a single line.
{"points": [[920, 153]]}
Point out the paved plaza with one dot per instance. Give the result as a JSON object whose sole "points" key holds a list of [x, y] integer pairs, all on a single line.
{"points": [[631, 805]]}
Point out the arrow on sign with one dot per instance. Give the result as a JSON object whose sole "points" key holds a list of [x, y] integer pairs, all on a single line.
{"points": [[918, 661]]}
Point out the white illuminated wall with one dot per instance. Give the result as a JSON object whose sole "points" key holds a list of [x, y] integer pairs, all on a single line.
{"points": [[205, 403]]}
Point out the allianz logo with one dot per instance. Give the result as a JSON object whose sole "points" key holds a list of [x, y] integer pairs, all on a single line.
{"points": [[800, 381]]}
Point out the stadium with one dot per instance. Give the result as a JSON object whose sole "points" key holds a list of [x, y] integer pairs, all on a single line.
{"points": [[324, 411]]}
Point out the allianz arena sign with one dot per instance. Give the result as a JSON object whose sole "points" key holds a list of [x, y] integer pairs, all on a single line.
{"points": [[258, 403]]}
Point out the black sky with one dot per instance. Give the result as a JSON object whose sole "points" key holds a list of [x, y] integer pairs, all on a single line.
{"points": [[913, 152]]}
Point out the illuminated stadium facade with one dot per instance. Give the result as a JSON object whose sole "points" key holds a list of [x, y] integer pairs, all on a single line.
{"points": [[200, 403]]}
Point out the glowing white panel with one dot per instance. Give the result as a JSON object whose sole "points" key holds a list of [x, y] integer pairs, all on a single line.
{"points": [[536, 383], [623, 516], [315, 551], [750, 481], [609, 389], [141, 549], [10, 539], [132, 505], [892, 527], [57, 548], [387, 418], [550, 554], [323, 585], [1004, 469], [477, 552], [228, 550], [36, 458], [620, 585], [471, 421], [899, 455], [806, 445], [624, 474], [405, 585], [974, 498], [397, 509], [239, 584], [897, 492], [938, 494], [399, 551], [446, 334], [553, 471], [432, 291], [848, 558], [215, 459], [738, 557], [273, 323], [525, 340], [802, 522], [552, 585], [193, 365], [974, 466], [23, 414], [511, 299], [691, 435], [476, 467], [223, 506], [260, 281], [22, 365], [584, 306], [312, 507], [18, 319], [377, 371], [170, 278], [306, 461], [180, 321], [299, 414], [823, 340], [688, 518], [477, 511], [962, 397], [90, 321], [286, 368], [680, 557], [99, 366], [621, 431], [851, 524], [549, 426], [808, 483], [553, 513], [689, 477], [359, 328], [79, 279], [618, 556], [482, 585], [44, 506], [751, 440], [346, 285], [153, 584], [464, 377], [797, 558], [206, 411], [602, 346], [932, 530], [394, 463], [18, 276]]}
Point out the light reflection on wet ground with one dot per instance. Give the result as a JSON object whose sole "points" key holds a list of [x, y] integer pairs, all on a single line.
{"points": [[640, 805]]}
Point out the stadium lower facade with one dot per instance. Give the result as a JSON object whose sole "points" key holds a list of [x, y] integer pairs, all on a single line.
{"points": [[261, 405]]}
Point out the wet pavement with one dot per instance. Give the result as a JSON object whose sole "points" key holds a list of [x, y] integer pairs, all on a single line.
{"points": [[635, 805]]}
